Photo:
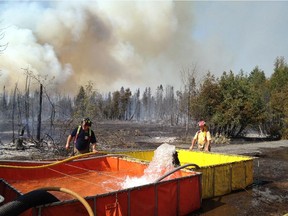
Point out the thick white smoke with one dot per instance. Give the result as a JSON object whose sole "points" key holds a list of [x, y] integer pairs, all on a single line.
{"points": [[113, 44], [137, 43]]}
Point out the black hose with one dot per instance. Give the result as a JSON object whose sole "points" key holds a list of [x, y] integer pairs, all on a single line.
{"points": [[174, 170], [27, 201]]}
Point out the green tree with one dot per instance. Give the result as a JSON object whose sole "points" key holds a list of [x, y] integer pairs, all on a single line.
{"points": [[279, 78], [205, 103], [240, 106], [278, 99], [259, 84]]}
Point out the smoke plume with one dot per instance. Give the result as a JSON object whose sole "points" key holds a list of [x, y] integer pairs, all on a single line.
{"points": [[136, 44], [113, 44]]}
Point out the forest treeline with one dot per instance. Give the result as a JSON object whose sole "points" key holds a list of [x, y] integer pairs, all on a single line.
{"points": [[230, 104]]}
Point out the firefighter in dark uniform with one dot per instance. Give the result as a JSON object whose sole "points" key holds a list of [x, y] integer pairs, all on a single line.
{"points": [[82, 136]]}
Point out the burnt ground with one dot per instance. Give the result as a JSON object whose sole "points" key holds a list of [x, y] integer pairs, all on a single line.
{"points": [[268, 195]]}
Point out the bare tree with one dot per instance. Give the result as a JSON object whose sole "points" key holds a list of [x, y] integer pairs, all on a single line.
{"points": [[159, 103], [27, 103], [43, 80], [170, 104], [136, 105], [189, 80], [13, 113], [147, 104], [2, 46], [40, 113], [4, 103]]}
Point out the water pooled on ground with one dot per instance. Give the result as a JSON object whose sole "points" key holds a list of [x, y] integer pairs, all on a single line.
{"points": [[162, 162]]}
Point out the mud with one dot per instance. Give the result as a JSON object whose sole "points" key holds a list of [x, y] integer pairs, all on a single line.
{"points": [[268, 195]]}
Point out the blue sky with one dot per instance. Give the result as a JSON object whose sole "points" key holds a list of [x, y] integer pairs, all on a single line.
{"points": [[138, 44], [253, 32]]}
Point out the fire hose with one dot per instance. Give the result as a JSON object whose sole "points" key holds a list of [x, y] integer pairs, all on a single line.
{"points": [[41, 196], [38, 197], [65, 190], [54, 163]]}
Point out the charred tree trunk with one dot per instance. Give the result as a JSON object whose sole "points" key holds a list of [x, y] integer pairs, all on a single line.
{"points": [[27, 105], [40, 113], [13, 114], [53, 112]]}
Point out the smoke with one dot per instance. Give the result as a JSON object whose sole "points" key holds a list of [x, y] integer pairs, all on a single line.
{"points": [[135, 44], [112, 44]]}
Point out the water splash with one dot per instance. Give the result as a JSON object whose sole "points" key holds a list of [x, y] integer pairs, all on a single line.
{"points": [[161, 163]]}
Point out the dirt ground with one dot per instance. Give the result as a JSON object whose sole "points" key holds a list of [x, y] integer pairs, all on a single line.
{"points": [[268, 195]]}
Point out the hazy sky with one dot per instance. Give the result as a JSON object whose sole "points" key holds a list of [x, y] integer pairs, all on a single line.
{"points": [[138, 43]]}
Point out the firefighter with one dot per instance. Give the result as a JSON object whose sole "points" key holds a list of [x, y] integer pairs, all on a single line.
{"points": [[83, 136], [202, 137]]}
